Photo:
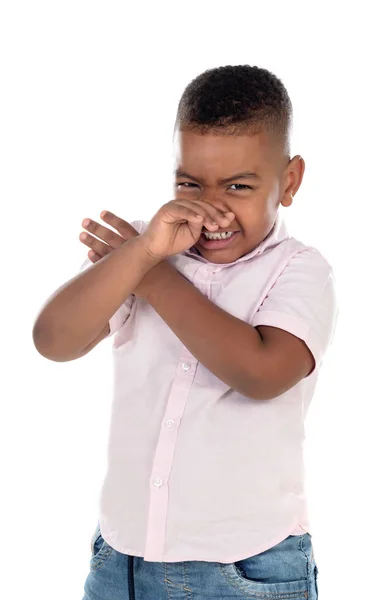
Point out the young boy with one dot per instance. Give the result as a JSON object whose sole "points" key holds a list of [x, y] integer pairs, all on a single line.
{"points": [[221, 322]]}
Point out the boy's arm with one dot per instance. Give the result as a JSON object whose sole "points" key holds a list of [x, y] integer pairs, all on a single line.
{"points": [[76, 317], [261, 362], [102, 335]]}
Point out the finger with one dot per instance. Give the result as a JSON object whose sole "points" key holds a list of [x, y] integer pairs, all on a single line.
{"points": [[211, 213], [202, 216], [223, 218], [207, 219], [178, 212], [93, 256], [124, 228], [98, 247], [107, 235]]}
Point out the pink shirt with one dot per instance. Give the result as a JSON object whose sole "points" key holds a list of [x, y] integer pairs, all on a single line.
{"points": [[196, 470]]}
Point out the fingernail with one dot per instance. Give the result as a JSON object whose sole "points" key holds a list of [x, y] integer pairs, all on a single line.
{"points": [[86, 222]]}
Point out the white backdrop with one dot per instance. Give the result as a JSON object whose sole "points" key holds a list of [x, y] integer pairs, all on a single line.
{"points": [[88, 97]]}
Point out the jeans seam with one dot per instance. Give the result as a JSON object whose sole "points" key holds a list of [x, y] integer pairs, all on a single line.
{"points": [[308, 561]]}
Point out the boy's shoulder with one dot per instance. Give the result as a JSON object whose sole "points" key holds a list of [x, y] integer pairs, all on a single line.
{"points": [[291, 253], [309, 254]]}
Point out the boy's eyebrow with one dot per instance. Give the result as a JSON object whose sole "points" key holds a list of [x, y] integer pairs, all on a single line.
{"points": [[244, 175]]}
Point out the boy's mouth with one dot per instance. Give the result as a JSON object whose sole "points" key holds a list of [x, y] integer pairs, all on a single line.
{"points": [[216, 240]]}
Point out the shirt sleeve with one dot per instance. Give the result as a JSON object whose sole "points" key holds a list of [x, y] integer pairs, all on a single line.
{"points": [[303, 302], [122, 314]]}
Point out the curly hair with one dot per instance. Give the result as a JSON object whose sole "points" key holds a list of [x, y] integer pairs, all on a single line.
{"points": [[236, 100]]}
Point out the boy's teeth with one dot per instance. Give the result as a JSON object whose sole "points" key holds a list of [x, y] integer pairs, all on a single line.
{"points": [[218, 236]]}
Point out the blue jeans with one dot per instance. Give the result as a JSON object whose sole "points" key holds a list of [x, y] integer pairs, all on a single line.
{"points": [[286, 571]]}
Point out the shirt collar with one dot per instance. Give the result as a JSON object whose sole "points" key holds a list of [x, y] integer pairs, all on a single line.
{"points": [[277, 234]]}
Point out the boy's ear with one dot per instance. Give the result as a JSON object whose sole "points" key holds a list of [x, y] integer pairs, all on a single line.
{"points": [[287, 200], [293, 175]]}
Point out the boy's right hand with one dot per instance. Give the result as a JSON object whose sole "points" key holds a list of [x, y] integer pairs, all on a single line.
{"points": [[178, 225]]}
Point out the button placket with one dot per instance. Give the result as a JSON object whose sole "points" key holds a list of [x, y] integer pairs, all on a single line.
{"points": [[164, 456]]}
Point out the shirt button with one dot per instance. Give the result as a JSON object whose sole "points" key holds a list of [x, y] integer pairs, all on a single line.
{"points": [[158, 482], [169, 423], [186, 366]]}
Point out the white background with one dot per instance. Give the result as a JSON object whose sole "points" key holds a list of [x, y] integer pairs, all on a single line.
{"points": [[89, 92]]}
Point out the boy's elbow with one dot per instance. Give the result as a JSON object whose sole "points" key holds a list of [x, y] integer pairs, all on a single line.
{"points": [[253, 388], [43, 342], [47, 346], [259, 391], [41, 339], [270, 387]]}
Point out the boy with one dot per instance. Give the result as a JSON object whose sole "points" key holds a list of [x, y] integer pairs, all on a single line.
{"points": [[221, 321]]}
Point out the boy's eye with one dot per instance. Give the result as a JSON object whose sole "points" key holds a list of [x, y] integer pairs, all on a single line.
{"points": [[185, 183], [241, 185]]}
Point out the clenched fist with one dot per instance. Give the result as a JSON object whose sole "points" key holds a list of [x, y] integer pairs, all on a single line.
{"points": [[177, 226]]}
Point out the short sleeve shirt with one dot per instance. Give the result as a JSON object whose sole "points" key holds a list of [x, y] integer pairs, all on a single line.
{"points": [[196, 470]]}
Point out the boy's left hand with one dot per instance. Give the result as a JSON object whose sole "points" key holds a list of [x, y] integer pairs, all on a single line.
{"points": [[112, 241]]}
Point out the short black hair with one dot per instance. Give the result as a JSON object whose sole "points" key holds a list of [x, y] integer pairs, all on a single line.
{"points": [[235, 100]]}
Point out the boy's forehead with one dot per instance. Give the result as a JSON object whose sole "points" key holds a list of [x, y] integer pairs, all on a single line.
{"points": [[236, 151]]}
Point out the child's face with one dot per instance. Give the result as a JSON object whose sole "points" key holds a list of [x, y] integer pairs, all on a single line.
{"points": [[207, 159]]}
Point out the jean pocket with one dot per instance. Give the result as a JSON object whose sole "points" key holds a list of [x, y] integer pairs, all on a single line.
{"points": [[100, 550], [281, 572], [94, 538], [256, 590]]}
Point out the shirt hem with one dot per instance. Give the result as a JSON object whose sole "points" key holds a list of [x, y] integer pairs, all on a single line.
{"points": [[230, 559]]}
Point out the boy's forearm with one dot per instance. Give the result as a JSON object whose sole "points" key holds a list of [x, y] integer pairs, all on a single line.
{"points": [[224, 344], [76, 313]]}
